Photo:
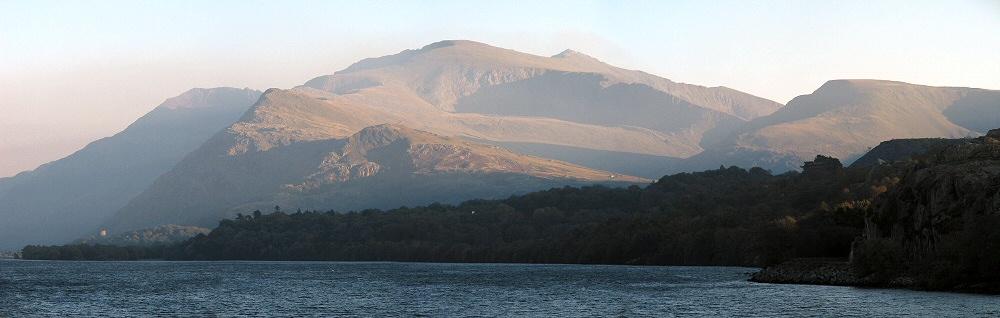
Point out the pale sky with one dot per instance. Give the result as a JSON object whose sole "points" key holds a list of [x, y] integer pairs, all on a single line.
{"points": [[75, 71]]}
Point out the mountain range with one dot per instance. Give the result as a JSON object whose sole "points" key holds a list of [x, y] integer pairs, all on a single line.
{"points": [[451, 121]]}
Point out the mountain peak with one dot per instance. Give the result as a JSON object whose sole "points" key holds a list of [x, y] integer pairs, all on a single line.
{"points": [[208, 97], [846, 85], [567, 54], [450, 43]]}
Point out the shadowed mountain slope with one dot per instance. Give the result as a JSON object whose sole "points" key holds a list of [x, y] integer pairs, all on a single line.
{"points": [[379, 166], [65, 199]]}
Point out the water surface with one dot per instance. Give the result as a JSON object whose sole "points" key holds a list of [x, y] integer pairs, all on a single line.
{"points": [[226, 289]]}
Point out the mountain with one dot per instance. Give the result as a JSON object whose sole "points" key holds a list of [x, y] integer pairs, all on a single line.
{"points": [[845, 118], [380, 166], [65, 199], [465, 88]]}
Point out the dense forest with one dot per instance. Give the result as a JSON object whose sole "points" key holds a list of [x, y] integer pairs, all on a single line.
{"points": [[729, 216]]}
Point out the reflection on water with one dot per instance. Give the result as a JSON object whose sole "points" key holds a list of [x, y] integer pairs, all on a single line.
{"points": [[30, 288]]}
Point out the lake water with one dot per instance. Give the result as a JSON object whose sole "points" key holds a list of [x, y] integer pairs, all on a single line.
{"points": [[225, 289]]}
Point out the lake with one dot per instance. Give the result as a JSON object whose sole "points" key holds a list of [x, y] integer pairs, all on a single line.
{"points": [[225, 289]]}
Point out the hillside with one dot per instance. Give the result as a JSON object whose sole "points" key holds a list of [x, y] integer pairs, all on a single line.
{"points": [[846, 118], [68, 198]]}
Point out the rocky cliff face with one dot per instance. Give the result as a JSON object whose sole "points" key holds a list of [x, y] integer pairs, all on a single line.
{"points": [[940, 192]]}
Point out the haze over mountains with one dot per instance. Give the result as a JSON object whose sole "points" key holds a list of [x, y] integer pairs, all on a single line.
{"points": [[455, 120], [65, 199]]}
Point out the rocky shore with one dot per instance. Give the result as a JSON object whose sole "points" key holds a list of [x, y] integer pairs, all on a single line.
{"points": [[811, 271]]}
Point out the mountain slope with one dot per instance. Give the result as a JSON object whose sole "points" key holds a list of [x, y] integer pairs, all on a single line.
{"points": [[379, 166], [65, 199], [845, 118]]}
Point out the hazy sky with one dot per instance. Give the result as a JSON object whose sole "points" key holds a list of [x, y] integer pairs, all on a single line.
{"points": [[75, 71]]}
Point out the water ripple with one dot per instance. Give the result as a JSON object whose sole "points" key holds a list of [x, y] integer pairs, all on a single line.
{"points": [[324, 289]]}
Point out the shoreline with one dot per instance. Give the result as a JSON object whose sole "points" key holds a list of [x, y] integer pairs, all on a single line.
{"points": [[838, 272]]}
